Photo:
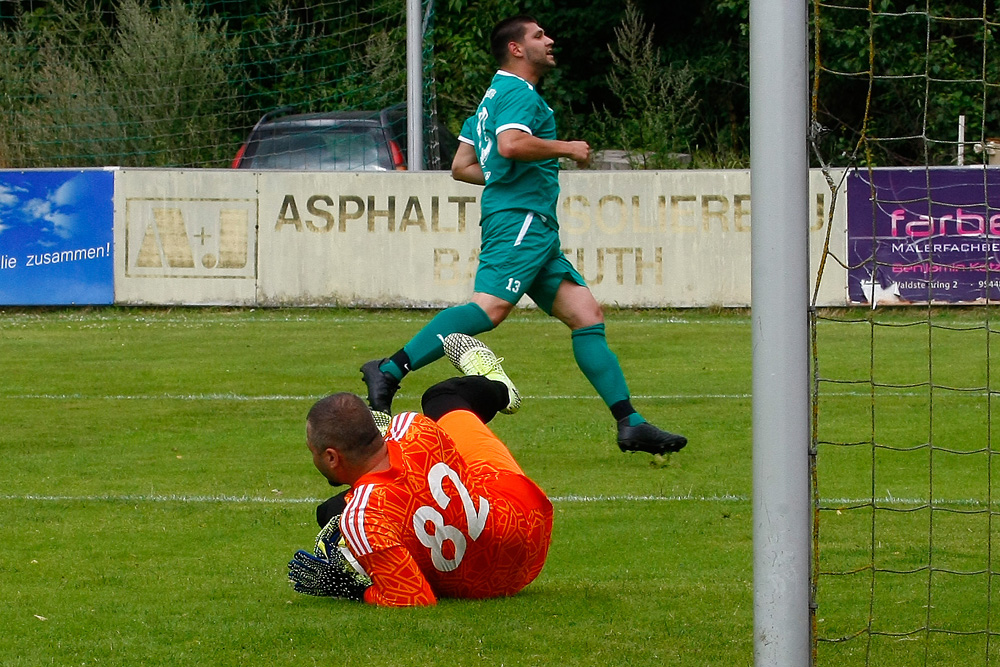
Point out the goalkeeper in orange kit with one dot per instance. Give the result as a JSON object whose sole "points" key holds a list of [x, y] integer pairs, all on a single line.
{"points": [[437, 507]]}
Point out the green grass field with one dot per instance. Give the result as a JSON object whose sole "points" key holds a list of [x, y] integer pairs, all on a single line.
{"points": [[905, 469], [156, 482]]}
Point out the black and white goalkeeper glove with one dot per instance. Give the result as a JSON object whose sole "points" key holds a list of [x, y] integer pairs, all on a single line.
{"points": [[326, 572]]}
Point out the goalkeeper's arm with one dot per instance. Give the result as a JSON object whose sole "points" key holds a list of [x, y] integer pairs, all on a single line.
{"points": [[326, 577], [396, 579], [326, 572]]}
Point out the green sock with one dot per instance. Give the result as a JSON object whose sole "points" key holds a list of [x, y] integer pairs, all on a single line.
{"points": [[392, 369], [426, 346], [599, 364]]}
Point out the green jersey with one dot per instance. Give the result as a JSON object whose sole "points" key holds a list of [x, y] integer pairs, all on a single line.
{"points": [[511, 103]]}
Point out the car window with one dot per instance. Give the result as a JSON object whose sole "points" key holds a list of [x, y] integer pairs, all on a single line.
{"points": [[333, 149], [439, 144]]}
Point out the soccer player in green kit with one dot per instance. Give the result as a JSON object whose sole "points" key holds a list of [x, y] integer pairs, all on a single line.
{"points": [[510, 147]]}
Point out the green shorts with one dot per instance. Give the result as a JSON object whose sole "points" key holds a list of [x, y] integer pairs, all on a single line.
{"points": [[521, 254]]}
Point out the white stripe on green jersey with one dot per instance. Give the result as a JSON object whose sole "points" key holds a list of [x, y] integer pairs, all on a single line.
{"points": [[511, 103]]}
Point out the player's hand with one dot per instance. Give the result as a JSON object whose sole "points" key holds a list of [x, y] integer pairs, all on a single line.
{"points": [[326, 577], [579, 152], [328, 539], [326, 572]]}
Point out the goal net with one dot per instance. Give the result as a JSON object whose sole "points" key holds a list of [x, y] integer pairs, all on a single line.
{"points": [[906, 100]]}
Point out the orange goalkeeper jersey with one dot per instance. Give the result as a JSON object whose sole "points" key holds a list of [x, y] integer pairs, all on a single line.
{"points": [[436, 525]]}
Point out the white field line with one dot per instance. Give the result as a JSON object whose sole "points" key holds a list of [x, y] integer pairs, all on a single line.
{"points": [[302, 397], [828, 504], [91, 321]]}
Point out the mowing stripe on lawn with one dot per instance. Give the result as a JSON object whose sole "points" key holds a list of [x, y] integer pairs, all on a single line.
{"points": [[277, 500], [306, 397], [886, 502]]}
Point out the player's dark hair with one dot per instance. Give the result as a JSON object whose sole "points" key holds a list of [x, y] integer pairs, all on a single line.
{"points": [[343, 422], [509, 30]]}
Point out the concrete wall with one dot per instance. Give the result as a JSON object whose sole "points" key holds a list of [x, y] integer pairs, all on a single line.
{"points": [[645, 239]]}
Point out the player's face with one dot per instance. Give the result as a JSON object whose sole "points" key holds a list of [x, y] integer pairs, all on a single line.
{"points": [[537, 47]]}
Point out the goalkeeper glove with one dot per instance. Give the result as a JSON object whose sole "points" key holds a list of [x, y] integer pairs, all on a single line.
{"points": [[329, 538], [326, 572], [323, 577]]}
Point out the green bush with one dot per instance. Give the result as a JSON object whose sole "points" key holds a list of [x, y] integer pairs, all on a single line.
{"points": [[153, 90], [658, 108]]}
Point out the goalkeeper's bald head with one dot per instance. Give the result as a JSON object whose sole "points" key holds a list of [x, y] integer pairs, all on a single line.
{"points": [[343, 422]]}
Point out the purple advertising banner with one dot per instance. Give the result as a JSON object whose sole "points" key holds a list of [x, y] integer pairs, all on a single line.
{"points": [[924, 235]]}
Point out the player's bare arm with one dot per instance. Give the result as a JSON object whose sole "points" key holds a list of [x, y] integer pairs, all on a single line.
{"points": [[465, 167], [519, 145]]}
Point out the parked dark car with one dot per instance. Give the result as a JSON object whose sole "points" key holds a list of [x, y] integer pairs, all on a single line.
{"points": [[341, 141]]}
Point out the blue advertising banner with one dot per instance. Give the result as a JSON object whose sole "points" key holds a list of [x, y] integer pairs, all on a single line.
{"points": [[927, 235], [56, 238]]}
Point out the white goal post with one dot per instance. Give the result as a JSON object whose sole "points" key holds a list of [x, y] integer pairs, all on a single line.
{"points": [[779, 175]]}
